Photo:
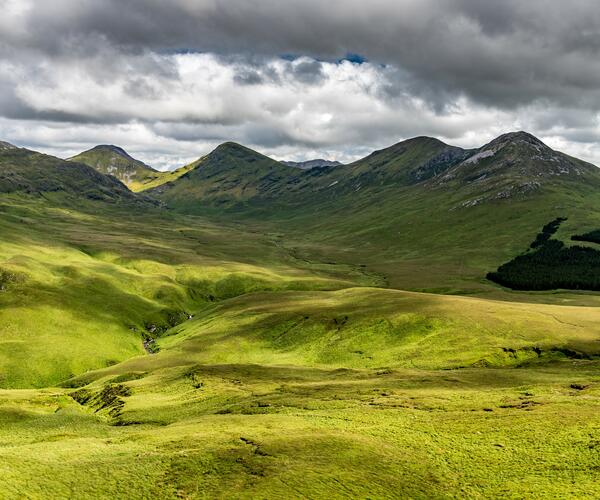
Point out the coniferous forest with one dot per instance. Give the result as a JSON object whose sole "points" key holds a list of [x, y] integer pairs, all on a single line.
{"points": [[550, 264]]}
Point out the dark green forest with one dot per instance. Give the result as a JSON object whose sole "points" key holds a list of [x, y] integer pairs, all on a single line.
{"points": [[550, 264]]}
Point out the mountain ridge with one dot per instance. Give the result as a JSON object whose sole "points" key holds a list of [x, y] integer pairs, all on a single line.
{"points": [[7, 145], [316, 163], [513, 164]]}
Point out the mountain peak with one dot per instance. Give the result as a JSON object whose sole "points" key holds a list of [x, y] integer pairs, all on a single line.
{"points": [[520, 136], [511, 165], [233, 148], [115, 161], [230, 146], [7, 145], [113, 149], [237, 154]]}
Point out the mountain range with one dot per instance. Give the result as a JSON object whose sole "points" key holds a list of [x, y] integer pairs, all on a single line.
{"points": [[419, 202], [511, 165]]}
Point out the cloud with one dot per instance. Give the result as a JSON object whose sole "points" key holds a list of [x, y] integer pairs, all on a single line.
{"points": [[187, 74]]}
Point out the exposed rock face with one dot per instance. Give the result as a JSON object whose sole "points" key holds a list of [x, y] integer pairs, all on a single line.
{"points": [[439, 164]]}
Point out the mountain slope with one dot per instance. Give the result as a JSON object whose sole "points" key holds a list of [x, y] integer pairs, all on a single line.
{"points": [[408, 162], [115, 161], [515, 164], [426, 215], [227, 176], [169, 176], [29, 172]]}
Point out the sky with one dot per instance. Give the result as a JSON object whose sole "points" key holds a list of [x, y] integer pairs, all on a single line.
{"points": [[296, 79]]}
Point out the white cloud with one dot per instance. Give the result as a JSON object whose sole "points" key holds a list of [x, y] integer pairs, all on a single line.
{"points": [[168, 109]]}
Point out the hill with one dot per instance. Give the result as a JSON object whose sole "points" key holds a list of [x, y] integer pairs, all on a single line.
{"points": [[28, 172], [362, 381], [515, 164], [115, 161], [229, 175]]}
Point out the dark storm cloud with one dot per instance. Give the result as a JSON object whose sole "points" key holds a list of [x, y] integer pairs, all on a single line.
{"points": [[505, 52], [457, 68]]}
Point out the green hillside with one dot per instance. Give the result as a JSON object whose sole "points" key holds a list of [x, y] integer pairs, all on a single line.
{"points": [[268, 394], [229, 175], [248, 329], [28, 172], [115, 161], [426, 215], [83, 288]]}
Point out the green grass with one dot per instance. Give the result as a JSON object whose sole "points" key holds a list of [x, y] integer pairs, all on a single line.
{"points": [[253, 431], [90, 285], [242, 401], [300, 374]]}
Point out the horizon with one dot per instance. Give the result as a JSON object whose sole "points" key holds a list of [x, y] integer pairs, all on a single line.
{"points": [[171, 82], [125, 150]]}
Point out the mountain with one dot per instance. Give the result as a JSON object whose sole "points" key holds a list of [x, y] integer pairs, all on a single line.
{"points": [[407, 162], [228, 175], [6, 145], [307, 165], [515, 164], [30, 172], [425, 214], [115, 161], [511, 165], [233, 173]]}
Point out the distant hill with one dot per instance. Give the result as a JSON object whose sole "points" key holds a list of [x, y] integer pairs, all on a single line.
{"points": [[230, 174], [513, 165], [307, 165], [30, 172], [234, 173], [115, 161]]}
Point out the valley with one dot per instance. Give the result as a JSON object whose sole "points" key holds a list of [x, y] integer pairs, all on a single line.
{"points": [[324, 332]]}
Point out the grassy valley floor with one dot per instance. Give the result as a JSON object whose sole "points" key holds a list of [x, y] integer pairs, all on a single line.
{"points": [[273, 375]]}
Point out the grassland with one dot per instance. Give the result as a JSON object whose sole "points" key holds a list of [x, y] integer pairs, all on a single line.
{"points": [[186, 430], [302, 372], [85, 287]]}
